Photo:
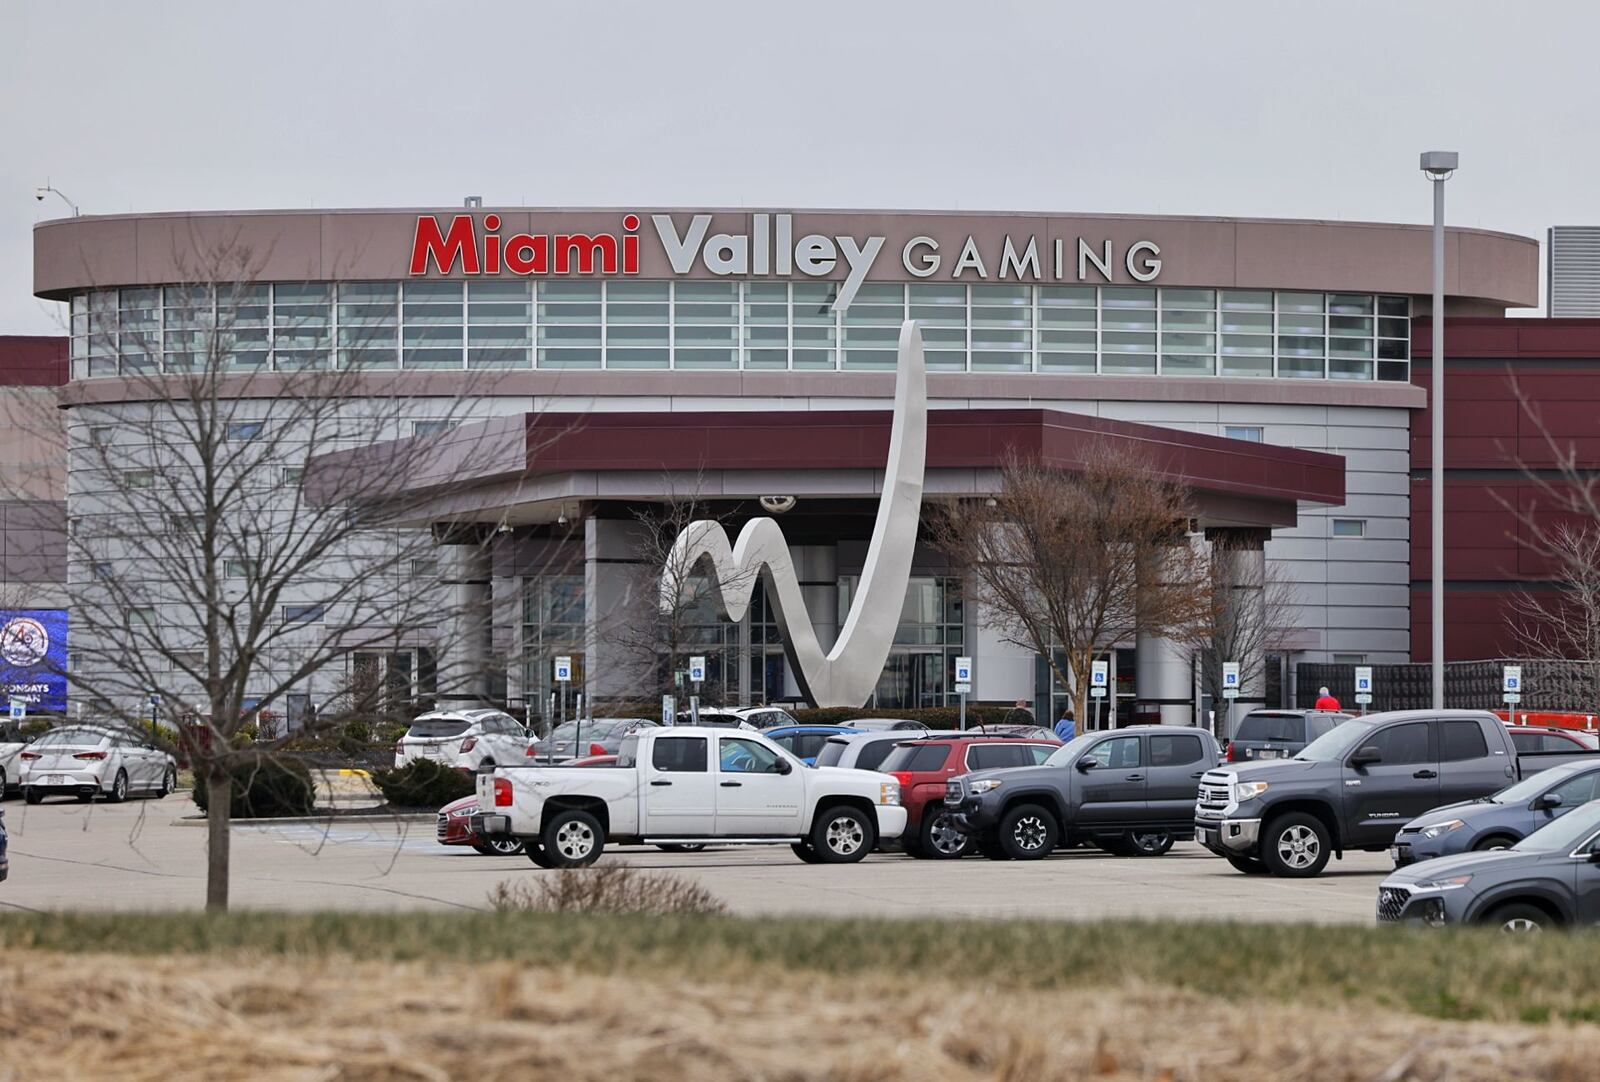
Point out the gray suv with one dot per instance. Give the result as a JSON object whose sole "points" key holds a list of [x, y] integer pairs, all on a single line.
{"points": [[1129, 791], [1549, 879], [1277, 734]]}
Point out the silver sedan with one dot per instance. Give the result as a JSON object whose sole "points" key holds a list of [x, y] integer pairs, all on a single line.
{"points": [[86, 761]]}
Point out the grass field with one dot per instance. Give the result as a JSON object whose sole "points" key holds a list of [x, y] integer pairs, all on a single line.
{"points": [[1468, 974]]}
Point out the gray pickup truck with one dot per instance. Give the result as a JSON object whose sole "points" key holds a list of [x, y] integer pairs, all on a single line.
{"points": [[1129, 791], [1354, 787]]}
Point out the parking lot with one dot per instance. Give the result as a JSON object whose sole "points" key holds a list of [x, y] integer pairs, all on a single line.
{"points": [[148, 855]]}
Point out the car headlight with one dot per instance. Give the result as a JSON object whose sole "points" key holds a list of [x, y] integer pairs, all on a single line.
{"points": [[1248, 790], [1454, 882], [462, 813], [1439, 829], [978, 788], [889, 792]]}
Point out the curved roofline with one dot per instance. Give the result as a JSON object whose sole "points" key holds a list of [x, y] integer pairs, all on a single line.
{"points": [[897, 211]]}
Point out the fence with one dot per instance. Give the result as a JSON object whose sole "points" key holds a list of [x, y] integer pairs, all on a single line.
{"points": [[1547, 684]]}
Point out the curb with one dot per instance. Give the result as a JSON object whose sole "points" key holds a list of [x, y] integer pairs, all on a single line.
{"points": [[320, 820]]}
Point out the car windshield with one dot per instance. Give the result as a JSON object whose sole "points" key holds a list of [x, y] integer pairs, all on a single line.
{"points": [[1531, 786], [437, 728], [1068, 753], [1337, 742], [1564, 834], [59, 738], [1273, 728]]}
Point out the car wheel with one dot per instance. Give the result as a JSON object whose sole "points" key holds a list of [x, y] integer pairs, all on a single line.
{"points": [[683, 847], [535, 852], [1028, 832], [573, 839], [169, 784], [1148, 843], [32, 795], [804, 851], [1518, 917], [500, 846], [1247, 865], [1496, 841], [938, 839], [842, 835], [119, 788], [1296, 846]]}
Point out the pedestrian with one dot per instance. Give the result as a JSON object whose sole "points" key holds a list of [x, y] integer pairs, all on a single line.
{"points": [[1066, 728], [1019, 714], [1326, 701]]}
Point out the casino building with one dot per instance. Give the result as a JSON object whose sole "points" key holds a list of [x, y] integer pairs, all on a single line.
{"points": [[750, 353]]}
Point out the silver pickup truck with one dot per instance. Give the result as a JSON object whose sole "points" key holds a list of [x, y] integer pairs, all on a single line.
{"points": [[684, 785]]}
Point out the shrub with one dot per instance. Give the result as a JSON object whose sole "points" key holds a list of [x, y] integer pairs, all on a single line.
{"points": [[264, 787], [423, 783], [615, 888]]}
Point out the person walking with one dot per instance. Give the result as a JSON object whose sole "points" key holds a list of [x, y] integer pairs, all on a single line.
{"points": [[1066, 728], [1326, 701]]}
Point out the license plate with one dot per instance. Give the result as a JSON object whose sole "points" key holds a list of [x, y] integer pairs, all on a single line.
{"points": [[1394, 853], [1267, 753], [1207, 837], [55, 779]]}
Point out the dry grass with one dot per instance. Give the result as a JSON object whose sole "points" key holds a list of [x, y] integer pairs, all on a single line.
{"points": [[265, 1018], [614, 888]]}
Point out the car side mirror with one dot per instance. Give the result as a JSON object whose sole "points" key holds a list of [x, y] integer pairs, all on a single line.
{"points": [[1086, 764], [1366, 756], [785, 766], [1594, 856], [1548, 801]]}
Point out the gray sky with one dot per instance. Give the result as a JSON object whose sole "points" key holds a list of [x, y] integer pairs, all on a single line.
{"points": [[1228, 108]]}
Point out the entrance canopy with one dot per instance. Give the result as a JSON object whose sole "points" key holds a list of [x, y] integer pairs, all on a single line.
{"points": [[538, 467]]}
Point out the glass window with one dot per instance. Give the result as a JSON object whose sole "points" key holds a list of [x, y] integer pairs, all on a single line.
{"points": [[1249, 433], [499, 334], [739, 756], [244, 430], [1349, 527], [304, 614], [679, 754], [831, 752], [997, 756], [1579, 790], [917, 758], [1461, 740], [873, 753], [1271, 728], [1402, 745], [1247, 300], [1118, 752], [1176, 750]]}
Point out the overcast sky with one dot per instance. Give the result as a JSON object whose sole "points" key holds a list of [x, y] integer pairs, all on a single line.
{"points": [[1227, 108]]}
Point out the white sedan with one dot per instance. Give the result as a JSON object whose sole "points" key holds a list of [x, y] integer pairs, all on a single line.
{"points": [[91, 760]]}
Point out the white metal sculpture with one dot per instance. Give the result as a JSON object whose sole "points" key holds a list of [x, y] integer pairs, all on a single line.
{"points": [[848, 673]]}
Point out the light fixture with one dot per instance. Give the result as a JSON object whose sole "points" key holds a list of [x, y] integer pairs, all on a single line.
{"points": [[777, 505], [40, 193]]}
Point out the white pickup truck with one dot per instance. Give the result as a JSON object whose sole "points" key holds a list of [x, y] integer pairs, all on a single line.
{"points": [[689, 785]]}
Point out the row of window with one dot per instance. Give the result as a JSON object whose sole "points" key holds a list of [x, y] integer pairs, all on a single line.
{"points": [[754, 325]]}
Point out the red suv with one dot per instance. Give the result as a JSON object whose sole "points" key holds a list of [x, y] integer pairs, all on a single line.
{"points": [[922, 766]]}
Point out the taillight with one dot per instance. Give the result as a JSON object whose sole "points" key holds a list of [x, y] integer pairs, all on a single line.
{"points": [[399, 749], [1231, 757], [903, 777], [502, 793], [468, 744], [596, 749], [31, 755], [533, 750], [90, 755]]}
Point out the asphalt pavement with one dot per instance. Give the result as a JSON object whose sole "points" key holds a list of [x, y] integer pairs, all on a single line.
{"points": [[150, 855]]}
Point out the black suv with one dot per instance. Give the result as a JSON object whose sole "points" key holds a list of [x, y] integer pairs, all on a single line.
{"points": [[1278, 734]]}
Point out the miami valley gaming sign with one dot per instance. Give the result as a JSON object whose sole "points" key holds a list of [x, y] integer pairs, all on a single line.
{"points": [[474, 245], [33, 659]]}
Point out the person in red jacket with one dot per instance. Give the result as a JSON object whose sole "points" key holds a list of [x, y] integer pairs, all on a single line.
{"points": [[1326, 701]]}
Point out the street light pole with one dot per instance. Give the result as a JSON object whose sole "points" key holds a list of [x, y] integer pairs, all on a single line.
{"points": [[1438, 165]]}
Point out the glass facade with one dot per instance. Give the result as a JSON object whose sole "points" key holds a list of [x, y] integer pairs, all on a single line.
{"points": [[751, 325]]}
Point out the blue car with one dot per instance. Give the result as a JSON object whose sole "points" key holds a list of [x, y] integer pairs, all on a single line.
{"points": [[5, 864], [804, 741], [1498, 821]]}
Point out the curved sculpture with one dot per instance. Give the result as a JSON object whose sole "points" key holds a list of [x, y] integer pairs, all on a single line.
{"points": [[847, 674]]}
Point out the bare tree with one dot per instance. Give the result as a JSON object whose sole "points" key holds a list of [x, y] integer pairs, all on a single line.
{"points": [[1069, 563], [1250, 604], [218, 565], [1563, 621], [656, 639]]}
